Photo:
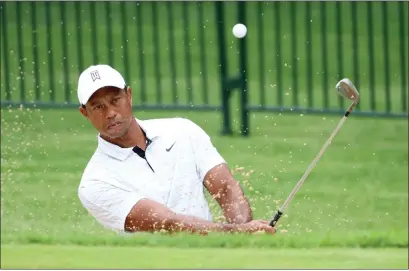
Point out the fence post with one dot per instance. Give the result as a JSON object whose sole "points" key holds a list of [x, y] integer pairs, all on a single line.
{"points": [[238, 82], [5, 51], [243, 72], [226, 129], [20, 53]]}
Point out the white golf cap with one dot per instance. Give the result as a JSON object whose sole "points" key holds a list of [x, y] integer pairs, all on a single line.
{"points": [[96, 77]]}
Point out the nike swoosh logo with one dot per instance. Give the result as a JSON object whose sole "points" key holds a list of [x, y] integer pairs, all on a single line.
{"points": [[168, 149]]}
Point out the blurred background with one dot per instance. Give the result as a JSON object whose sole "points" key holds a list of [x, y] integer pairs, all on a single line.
{"points": [[183, 55], [276, 87]]}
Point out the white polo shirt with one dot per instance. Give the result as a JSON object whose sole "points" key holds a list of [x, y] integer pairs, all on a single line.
{"points": [[177, 159]]}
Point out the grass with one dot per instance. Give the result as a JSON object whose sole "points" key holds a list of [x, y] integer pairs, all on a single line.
{"points": [[352, 211], [355, 197], [143, 51], [55, 257]]}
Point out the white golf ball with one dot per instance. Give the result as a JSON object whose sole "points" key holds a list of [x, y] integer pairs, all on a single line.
{"points": [[239, 31]]}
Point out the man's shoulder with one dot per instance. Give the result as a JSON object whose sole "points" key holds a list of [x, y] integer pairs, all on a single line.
{"points": [[97, 173], [96, 166], [169, 121], [175, 125]]}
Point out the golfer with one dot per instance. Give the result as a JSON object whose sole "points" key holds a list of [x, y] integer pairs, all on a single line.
{"points": [[150, 175]]}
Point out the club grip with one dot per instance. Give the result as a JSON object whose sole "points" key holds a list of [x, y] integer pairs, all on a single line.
{"points": [[276, 218]]}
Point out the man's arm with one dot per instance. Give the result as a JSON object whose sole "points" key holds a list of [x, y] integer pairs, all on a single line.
{"points": [[150, 216], [217, 178], [226, 190], [131, 211]]}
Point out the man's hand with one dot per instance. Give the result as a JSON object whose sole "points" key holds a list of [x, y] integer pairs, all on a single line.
{"points": [[256, 226]]}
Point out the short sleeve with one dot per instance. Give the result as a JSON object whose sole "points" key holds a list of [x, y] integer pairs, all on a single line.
{"points": [[108, 203], [206, 154]]}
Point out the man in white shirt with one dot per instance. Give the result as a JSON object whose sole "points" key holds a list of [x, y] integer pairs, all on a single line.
{"points": [[150, 175]]}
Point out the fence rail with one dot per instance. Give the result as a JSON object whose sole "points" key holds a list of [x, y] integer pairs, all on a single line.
{"points": [[182, 55]]}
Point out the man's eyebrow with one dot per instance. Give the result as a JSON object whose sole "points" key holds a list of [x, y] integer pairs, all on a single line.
{"points": [[93, 102], [111, 94]]}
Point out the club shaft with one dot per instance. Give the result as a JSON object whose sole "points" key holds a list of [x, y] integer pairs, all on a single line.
{"points": [[311, 166]]}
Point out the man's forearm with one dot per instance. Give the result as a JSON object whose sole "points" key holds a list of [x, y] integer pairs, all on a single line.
{"points": [[185, 223], [148, 215], [221, 184], [235, 205]]}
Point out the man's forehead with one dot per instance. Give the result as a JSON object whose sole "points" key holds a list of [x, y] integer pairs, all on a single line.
{"points": [[105, 91]]}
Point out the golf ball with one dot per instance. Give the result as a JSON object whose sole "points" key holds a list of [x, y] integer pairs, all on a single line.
{"points": [[239, 31]]}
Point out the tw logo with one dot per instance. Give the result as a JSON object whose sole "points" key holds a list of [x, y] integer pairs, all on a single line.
{"points": [[95, 76]]}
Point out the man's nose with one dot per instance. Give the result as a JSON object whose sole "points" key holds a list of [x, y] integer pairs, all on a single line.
{"points": [[110, 112]]}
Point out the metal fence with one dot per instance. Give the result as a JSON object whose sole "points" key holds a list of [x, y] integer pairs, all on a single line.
{"points": [[182, 55]]}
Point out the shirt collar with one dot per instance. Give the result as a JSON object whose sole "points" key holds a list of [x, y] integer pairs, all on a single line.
{"points": [[151, 131], [155, 130], [115, 151]]}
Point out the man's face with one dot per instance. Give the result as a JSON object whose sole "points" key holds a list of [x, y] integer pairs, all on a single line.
{"points": [[110, 111]]}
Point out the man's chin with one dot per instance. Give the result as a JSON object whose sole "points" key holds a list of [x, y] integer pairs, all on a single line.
{"points": [[114, 135]]}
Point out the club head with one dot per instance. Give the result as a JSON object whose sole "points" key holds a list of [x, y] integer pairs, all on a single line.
{"points": [[346, 89]]}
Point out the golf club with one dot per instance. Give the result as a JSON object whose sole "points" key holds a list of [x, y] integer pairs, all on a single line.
{"points": [[346, 89]]}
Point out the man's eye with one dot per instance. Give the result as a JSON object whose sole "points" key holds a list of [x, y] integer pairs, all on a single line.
{"points": [[115, 100], [97, 107]]}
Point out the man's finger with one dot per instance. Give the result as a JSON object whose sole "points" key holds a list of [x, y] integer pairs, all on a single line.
{"points": [[270, 229], [263, 221]]}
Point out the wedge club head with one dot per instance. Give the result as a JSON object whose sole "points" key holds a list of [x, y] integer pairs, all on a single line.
{"points": [[347, 90]]}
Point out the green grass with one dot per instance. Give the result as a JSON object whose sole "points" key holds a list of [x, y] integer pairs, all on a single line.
{"points": [[120, 46], [56, 257], [355, 197]]}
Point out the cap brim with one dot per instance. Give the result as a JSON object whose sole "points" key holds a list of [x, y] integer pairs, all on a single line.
{"points": [[89, 95]]}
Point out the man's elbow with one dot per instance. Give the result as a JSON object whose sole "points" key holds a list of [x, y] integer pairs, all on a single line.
{"points": [[151, 222], [150, 225]]}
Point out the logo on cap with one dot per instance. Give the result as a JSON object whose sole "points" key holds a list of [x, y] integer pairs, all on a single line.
{"points": [[95, 76]]}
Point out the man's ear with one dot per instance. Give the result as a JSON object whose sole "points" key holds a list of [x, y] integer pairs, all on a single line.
{"points": [[83, 111], [129, 93]]}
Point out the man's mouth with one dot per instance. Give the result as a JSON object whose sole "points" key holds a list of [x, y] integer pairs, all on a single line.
{"points": [[113, 125]]}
